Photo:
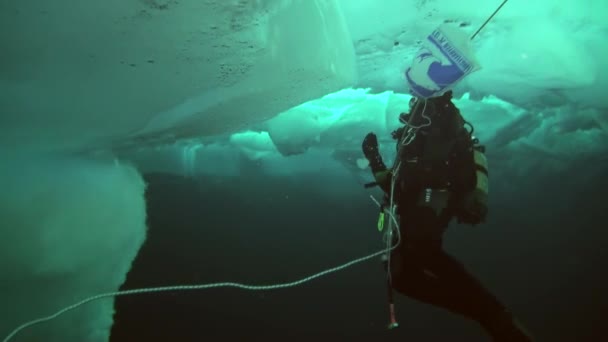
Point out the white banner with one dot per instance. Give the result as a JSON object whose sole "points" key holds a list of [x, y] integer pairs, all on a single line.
{"points": [[445, 58]]}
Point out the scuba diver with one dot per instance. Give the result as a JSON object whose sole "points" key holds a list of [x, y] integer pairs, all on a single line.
{"points": [[440, 173]]}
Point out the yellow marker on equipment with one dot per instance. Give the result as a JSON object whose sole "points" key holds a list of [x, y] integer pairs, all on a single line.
{"points": [[381, 221]]}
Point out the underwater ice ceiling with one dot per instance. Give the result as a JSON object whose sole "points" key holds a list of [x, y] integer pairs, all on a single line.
{"points": [[96, 74], [273, 79]]}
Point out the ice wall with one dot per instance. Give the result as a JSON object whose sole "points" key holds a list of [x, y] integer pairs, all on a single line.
{"points": [[105, 72], [334, 126], [70, 229], [81, 80]]}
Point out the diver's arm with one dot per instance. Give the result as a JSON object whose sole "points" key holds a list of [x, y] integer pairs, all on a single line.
{"points": [[381, 173], [372, 153], [383, 179]]}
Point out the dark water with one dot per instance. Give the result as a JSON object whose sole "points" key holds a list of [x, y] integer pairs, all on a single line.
{"points": [[542, 253]]}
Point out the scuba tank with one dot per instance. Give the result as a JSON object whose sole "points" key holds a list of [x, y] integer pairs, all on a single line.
{"points": [[474, 206], [481, 170]]}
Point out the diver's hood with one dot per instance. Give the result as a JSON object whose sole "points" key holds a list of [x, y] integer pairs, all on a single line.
{"points": [[426, 111]]}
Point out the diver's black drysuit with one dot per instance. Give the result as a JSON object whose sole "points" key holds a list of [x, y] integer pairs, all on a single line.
{"points": [[435, 180]]}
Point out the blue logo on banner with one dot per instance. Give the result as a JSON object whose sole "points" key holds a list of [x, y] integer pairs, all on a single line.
{"points": [[428, 77]]}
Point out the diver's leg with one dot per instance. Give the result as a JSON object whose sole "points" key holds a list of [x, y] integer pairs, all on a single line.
{"points": [[422, 270], [434, 277]]}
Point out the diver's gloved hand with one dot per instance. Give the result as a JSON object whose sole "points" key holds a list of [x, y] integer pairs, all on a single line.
{"points": [[474, 208], [372, 153]]}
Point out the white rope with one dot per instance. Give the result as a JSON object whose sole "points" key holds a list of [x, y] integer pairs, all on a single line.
{"points": [[407, 138], [189, 288], [393, 225]]}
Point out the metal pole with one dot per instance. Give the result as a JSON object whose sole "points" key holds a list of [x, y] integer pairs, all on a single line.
{"points": [[488, 20]]}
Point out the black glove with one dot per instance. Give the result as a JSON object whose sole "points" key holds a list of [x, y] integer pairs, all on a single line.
{"points": [[372, 153]]}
